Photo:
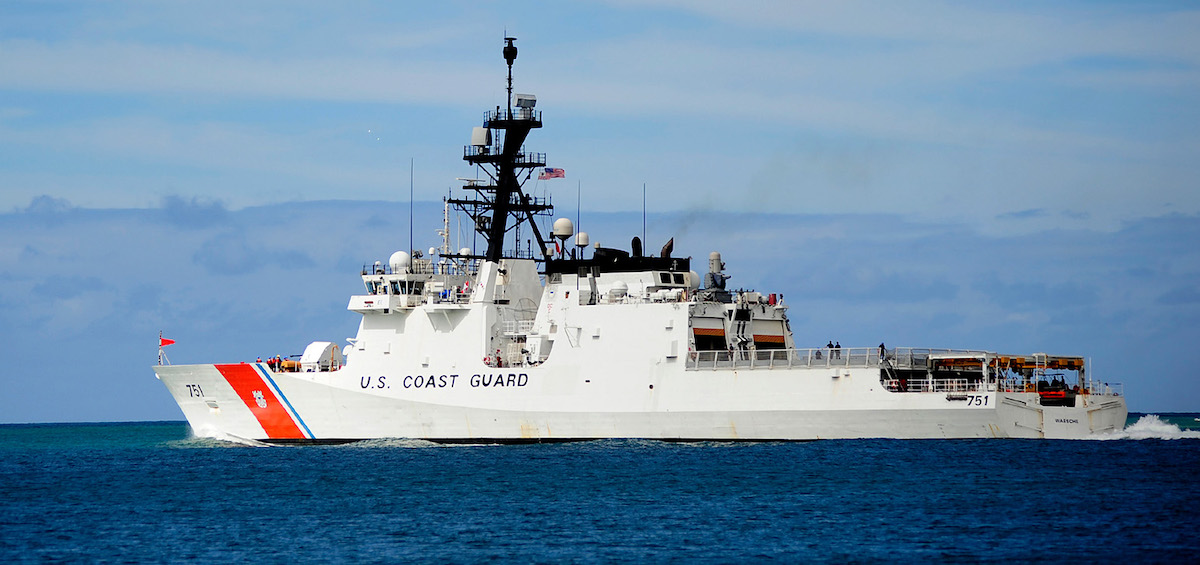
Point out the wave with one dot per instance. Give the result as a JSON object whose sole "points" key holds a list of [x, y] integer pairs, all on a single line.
{"points": [[1150, 426]]}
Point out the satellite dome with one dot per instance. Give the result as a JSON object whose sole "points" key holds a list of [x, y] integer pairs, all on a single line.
{"points": [[563, 228], [464, 251], [399, 262], [619, 289], [581, 239], [693, 280]]}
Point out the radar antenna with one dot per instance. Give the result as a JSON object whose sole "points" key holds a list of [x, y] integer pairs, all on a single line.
{"points": [[510, 55]]}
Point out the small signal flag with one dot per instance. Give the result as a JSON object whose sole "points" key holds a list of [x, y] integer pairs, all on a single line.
{"points": [[162, 341]]}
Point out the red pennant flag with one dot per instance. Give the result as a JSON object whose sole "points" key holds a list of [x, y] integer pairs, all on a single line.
{"points": [[162, 341]]}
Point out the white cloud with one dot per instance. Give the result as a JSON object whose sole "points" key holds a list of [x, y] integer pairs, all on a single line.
{"points": [[907, 107], [138, 68]]}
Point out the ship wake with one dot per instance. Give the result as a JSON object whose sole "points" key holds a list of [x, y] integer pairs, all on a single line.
{"points": [[1150, 426]]}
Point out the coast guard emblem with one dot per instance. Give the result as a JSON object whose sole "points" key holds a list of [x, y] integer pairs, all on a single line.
{"points": [[260, 399]]}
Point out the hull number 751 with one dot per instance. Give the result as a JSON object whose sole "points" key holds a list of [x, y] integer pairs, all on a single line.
{"points": [[977, 400]]}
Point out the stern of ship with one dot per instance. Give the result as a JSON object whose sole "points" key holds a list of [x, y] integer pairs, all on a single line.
{"points": [[1088, 414]]}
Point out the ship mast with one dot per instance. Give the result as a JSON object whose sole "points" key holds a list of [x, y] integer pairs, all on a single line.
{"points": [[498, 149]]}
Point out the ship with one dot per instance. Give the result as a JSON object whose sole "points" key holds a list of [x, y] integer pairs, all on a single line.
{"points": [[565, 340]]}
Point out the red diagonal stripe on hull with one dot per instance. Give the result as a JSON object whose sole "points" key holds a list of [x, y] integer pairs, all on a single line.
{"points": [[274, 418]]}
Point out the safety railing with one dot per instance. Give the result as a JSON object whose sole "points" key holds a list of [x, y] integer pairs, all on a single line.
{"points": [[784, 358], [899, 358], [489, 154], [451, 297], [518, 327], [938, 385], [1090, 386], [1097, 387], [501, 115], [415, 267]]}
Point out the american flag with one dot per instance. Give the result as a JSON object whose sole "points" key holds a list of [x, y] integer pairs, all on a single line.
{"points": [[552, 173]]}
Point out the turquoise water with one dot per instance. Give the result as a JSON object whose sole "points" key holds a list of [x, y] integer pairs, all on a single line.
{"points": [[149, 492]]}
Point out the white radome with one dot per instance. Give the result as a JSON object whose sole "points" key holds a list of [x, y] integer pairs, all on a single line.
{"points": [[400, 261]]}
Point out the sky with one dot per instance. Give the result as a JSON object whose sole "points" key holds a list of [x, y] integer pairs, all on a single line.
{"points": [[1010, 176]]}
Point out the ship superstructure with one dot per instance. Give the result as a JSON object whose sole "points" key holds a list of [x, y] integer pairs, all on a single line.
{"points": [[566, 340]]}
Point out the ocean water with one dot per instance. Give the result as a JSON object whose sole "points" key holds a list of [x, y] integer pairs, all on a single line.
{"points": [[137, 492]]}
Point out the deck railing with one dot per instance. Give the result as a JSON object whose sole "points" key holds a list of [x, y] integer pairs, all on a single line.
{"points": [[1097, 387], [872, 357], [900, 358], [938, 385], [1090, 386]]}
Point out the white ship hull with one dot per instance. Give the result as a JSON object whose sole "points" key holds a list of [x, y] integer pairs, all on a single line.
{"points": [[541, 404], [525, 343]]}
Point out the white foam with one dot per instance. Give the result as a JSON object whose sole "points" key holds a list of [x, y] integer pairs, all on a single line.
{"points": [[1150, 426], [210, 436], [395, 443], [206, 443]]}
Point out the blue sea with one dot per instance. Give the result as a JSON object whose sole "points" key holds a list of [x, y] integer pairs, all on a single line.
{"points": [[137, 492]]}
